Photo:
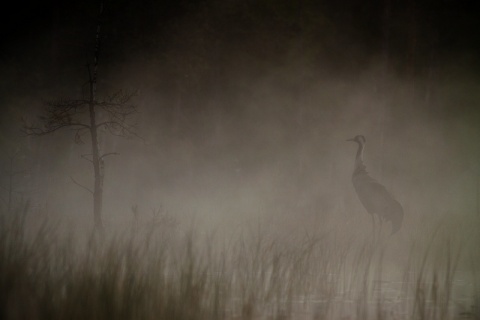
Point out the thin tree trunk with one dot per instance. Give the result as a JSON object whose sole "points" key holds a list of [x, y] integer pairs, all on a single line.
{"points": [[10, 185], [97, 161], [478, 192], [478, 179], [98, 173]]}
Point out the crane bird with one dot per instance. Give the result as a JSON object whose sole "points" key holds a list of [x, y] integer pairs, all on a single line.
{"points": [[374, 197]]}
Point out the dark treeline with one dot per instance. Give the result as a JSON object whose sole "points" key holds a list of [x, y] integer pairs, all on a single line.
{"points": [[196, 46], [205, 37]]}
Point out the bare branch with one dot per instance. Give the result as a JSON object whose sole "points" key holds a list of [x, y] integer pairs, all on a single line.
{"points": [[82, 186], [84, 156], [40, 131], [106, 123], [79, 133], [68, 104], [109, 154], [59, 114], [122, 130]]}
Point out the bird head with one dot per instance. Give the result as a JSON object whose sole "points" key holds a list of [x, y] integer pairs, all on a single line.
{"points": [[358, 139]]}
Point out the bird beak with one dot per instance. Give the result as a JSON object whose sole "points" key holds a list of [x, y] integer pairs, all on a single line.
{"points": [[350, 139]]}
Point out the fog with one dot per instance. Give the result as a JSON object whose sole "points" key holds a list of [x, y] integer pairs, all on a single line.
{"points": [[244, 112]]}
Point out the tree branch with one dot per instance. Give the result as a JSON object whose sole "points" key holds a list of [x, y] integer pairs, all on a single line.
{"points": [[82, 186], [79, 134], [51, 127], [84, 156], [109, 154]]}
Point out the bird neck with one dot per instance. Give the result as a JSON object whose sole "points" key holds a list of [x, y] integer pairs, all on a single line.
{"points": [[359, 156]]}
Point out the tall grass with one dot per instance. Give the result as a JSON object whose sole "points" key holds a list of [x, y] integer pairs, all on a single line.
{"points": [[146, 275]]}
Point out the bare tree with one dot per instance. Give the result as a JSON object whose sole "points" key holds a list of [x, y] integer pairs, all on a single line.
{"points": [[91, 117]]}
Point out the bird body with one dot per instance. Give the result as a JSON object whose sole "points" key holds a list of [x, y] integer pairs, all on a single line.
{"points": [[374, 197]]}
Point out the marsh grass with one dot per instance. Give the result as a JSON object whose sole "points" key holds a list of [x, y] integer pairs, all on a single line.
{"points": [[147, 275]]}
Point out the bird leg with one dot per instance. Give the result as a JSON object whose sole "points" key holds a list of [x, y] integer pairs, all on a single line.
{"points": [[373, 226], [380, 229], [377, 228]]}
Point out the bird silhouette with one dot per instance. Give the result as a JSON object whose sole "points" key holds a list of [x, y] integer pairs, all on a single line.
{"points": [[374, 197]]}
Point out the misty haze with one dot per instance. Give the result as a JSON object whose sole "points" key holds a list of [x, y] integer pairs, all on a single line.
{"points": [[240, 160]]}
